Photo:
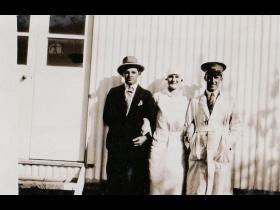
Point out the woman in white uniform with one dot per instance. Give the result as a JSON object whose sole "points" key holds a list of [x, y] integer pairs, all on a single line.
{"points": [[167, 162]]}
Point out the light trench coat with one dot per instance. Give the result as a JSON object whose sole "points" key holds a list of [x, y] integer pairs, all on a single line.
{"points": [[211, 145], [167, 162]]}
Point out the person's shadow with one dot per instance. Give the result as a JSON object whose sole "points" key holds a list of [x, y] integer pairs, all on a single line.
{"points": [[96, 128]]}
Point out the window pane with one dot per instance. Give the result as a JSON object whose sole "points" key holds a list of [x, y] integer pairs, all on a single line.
{"points": [[23, 23], [67, 24], [65, 52], [22, 43]]}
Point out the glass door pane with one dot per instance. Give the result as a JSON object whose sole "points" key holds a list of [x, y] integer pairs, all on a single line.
{"points": [[65, 52], [23, 22], [22, 48], [67, 24]]}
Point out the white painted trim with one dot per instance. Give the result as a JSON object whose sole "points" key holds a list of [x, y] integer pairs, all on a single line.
{"points": [[66, 36], [81, 182], [51, 163], [23, 33]]}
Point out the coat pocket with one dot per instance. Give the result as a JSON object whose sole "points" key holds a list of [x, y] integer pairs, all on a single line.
{"points": [[224, 152], [198, 147]]}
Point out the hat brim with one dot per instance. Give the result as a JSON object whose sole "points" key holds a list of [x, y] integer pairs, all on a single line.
{"points": [[123, 67], [205, 67]]}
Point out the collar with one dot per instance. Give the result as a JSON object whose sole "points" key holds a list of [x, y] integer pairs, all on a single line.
{"points": [[176, 92], [134, 86], [216, 93]]}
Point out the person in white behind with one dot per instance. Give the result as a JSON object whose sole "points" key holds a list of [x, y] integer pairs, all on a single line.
{"points": [[167, 163]]}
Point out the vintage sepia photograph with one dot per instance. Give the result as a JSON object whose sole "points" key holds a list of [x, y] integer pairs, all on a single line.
{"points": [[140, 105]]}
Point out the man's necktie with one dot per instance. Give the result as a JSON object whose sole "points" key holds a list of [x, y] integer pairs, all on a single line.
{"points": [[211, 102], [130, 91]]}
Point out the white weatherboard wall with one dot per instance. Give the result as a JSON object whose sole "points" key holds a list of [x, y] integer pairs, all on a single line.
{"points": [[249, 45], [9, 106]]}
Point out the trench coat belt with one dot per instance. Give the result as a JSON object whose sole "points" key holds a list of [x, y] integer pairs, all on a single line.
{"points": [[208, 128]]}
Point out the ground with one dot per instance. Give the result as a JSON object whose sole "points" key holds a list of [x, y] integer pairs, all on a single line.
{"points": [[100, 189]]}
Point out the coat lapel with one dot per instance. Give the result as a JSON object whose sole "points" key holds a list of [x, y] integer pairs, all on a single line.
{"points": [[122, 101], [203, 105], [135, 99]]}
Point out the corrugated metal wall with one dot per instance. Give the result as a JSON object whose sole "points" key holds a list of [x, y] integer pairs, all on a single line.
{"points": [[249, 45]]}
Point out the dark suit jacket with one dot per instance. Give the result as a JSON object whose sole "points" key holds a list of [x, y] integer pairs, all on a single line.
{"points": [[122, 128]]}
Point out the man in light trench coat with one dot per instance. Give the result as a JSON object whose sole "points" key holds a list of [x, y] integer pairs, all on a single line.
{"points": [[215, 124]]}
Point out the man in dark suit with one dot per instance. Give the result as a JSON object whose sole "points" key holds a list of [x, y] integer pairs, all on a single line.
{"points": [[126, 109]]}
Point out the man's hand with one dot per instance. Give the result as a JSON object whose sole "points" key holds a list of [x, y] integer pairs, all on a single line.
{"points": [[138, 141], [188, 133], [186, 142], [146, 127]]}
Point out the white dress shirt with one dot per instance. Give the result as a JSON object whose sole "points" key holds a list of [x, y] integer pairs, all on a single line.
{"points": [[128, 97], [216, 94]]}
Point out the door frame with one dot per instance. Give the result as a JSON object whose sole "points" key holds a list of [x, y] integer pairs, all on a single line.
{"points": [[33, 62]]}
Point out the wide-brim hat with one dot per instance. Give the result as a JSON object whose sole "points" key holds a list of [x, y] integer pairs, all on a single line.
{"points": [[213, 67], [130, 62]]}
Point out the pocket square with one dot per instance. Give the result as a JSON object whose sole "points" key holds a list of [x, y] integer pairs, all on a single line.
{"points": [[140, 103]]}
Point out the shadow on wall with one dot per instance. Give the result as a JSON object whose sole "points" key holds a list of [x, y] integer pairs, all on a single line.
{"points": [[262, 115], [157, 85], [97, 131], [265, 124], [191, 91]]}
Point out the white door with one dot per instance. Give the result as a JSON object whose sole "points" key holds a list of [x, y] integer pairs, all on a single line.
{"points": [[60, 53]]}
